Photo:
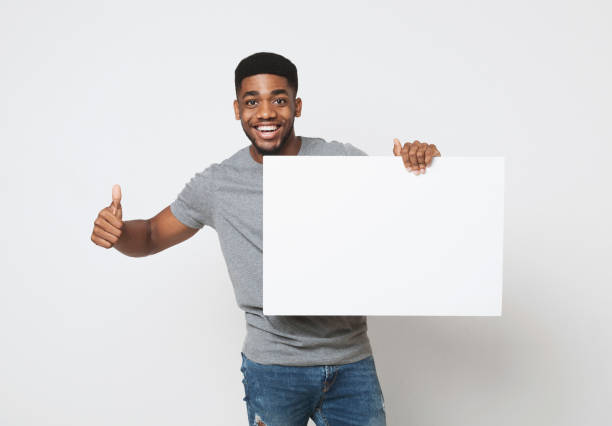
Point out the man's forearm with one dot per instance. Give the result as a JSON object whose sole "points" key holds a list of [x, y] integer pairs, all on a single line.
{"points": [[135, 240]]}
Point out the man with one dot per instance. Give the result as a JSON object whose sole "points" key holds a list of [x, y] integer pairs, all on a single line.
{"points": [[294, 367]]}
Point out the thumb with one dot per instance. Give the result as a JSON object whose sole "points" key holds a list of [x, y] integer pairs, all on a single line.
{"points": [[116, 204], [397, 147]]}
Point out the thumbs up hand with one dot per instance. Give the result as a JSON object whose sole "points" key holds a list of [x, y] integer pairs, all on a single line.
{"points": [[109, 223], [416, 155]]}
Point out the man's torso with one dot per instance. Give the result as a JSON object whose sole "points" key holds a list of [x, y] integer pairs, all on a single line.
{"points": [[228, 196]]}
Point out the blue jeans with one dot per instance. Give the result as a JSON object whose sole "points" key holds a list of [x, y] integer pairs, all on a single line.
{"points": [[331, 395]]}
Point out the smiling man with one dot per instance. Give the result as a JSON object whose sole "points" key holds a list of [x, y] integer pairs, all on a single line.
{"points": [[294, 367]]}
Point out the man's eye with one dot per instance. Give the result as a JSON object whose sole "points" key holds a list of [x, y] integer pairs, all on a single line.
{"points": [[250, 102], [281, 101]]}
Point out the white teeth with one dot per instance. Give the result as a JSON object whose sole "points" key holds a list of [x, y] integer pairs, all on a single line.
{"points": [[264, 128]]}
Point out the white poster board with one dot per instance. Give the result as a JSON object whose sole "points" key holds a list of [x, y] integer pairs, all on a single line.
{"points": [[361, 235]]}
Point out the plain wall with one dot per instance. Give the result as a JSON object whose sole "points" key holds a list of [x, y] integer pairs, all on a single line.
{"points": [[140, 94]]}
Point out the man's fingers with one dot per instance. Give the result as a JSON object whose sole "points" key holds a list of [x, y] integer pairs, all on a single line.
{"points": [[428, 155], [105, 235], [421, 156], [116, 198], [116, 193], [405, 151], [108, 226], [417, 155], [116, 208], [397, 147], [100, 241], [412, 154], [119, 212], [112, 219], [408, 160]]}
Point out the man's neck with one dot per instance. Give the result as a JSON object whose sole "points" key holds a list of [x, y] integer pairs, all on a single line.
{"points": [[291, 147]]}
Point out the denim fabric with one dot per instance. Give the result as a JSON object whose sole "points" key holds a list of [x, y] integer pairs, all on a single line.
{"points": [[331, 395]]}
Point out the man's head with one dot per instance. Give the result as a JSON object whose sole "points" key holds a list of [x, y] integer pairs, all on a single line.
{"points": [[266, 63], [266, 88]]}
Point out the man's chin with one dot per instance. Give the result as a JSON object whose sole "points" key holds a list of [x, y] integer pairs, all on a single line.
{"points": [[266, 149]]}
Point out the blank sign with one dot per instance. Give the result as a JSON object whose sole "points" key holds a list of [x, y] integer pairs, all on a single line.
{"points": [[362, 236]]}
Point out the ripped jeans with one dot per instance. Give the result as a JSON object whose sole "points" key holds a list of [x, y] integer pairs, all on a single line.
{"points": [[331, 395]]}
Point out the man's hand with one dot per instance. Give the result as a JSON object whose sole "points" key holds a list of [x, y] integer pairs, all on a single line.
{"points": [[416, 155], [108, 225]]}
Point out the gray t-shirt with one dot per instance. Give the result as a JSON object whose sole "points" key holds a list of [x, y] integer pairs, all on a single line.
{"points": [[227, 196]]}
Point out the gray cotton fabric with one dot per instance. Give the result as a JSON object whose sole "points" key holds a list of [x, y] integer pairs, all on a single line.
{"points": [[227, 196]]}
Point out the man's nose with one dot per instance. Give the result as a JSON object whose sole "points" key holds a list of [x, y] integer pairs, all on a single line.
{"points": [[265, 110]]}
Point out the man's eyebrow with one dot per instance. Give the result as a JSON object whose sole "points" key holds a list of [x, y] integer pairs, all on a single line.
{"points": [[250, 93], [273, 92]]}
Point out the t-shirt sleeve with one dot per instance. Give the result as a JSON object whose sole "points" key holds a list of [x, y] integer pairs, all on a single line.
{"points": [[353, 150], [195, 204]]}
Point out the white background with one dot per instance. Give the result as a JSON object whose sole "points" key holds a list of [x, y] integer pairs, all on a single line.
{"points": [[140, 94]]}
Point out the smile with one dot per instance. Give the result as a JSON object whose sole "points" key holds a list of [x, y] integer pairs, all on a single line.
{"points": [[267, 131]]}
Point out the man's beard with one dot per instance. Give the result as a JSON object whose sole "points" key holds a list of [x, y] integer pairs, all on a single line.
{"points": [[273, 151]]}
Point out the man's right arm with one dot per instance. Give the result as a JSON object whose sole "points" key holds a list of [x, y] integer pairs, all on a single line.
{"points": [[145, 237], [138, 238]]}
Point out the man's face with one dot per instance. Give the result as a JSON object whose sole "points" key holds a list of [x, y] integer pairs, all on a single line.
{"points": [[266, 107]]}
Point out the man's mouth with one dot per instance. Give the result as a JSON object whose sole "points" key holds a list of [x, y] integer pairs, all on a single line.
{"points": [[267, 131]]}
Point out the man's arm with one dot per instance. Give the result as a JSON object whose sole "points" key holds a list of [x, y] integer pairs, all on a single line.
{"points": [[145, 237], [138, 238]]}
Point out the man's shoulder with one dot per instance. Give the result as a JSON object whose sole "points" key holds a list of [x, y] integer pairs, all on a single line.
{"points": [[237, 160], [320, 146], [217, 170]]}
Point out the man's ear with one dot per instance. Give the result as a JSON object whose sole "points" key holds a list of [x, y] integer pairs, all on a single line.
{"points": [[236, 110], [298, 107]]}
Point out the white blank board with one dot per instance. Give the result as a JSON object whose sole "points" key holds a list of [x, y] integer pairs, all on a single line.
{"points": [[361, 235]]}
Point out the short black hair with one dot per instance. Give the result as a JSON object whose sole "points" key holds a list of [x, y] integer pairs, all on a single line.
{"points": [[266, 63]]}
